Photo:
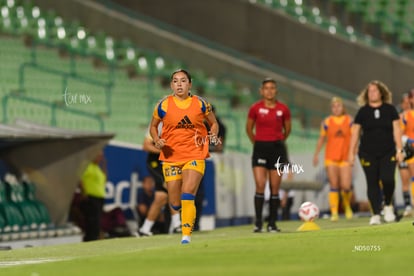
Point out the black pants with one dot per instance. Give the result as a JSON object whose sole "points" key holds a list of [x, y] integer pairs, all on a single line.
{"points": [[91, 208], [379, 170]]}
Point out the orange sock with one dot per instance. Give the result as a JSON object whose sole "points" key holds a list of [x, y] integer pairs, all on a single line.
{"points": [[188, 213], [334, 201], [412, 192], [346, 198]]}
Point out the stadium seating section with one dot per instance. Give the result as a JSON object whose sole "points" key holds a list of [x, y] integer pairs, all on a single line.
{"points": [[376, 22], [22, 216], [108, 84]]}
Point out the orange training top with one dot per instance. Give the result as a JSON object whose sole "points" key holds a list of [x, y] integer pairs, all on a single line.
{"points": [[183, 128], [337, 130], [407, 123]]}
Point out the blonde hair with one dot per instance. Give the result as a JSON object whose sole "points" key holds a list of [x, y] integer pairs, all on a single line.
{"points": [[339, 101], [386, 95]]}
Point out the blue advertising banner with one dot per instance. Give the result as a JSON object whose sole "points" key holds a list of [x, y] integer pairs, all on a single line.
{"points": [[127, 168]]}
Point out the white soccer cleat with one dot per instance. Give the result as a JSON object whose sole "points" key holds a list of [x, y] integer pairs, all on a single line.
{"points": [[375, 220], [389, 215], [186, 240], [408, 212], [141, 233]]}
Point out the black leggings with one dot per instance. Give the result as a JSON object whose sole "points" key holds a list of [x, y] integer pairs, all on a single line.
{"points": [[379, 170]]}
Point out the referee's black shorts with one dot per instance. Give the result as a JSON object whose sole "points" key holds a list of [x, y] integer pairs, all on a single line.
{"points": [[267, 154], [155, 169]]}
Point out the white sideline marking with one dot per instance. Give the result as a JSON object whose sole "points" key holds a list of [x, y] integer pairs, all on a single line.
{"points": [[27, 262]]}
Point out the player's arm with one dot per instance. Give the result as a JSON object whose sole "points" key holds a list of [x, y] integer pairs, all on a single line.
{"points": [[397, 139], [287, 128], [249, 129], [319, 144], [355, 133], [158, 142], [212, 121], [149, 145], [220, 147]]}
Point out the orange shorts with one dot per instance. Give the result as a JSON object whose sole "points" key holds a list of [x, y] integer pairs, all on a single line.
{"points": [[342, 163], [409, 161], [173, 171]]}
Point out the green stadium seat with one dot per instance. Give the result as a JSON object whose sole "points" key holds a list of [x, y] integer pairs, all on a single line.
{"points": [[355, 6], [30, 189], [14, 220], [389, 28], [406, 38], [16, 196], [9, 22], [126, 52]]}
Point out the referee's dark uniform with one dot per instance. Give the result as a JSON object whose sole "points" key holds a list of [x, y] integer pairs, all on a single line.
{"points": [[377, 151]]}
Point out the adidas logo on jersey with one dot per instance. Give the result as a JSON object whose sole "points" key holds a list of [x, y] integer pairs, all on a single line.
{"points": [[185, 123], [339, 133]]}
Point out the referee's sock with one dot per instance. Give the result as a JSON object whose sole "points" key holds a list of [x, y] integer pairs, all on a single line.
{"points": [[188, 213], [273, 210], [258, 207], [407, 198]]}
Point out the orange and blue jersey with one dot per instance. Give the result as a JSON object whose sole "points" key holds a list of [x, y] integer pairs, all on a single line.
{"points": [[183, 128], [337, 130], [407, 128], [407, 124]]}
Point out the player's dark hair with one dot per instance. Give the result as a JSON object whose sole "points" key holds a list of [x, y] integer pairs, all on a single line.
{"points": [[266, 80], [182, 71]]}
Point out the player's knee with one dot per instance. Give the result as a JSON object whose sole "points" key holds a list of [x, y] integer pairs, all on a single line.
{"points": [[161, 196], [260, 190]]}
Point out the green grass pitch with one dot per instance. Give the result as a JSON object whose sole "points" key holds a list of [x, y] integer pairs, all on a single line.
{"points": [[339, 248]]}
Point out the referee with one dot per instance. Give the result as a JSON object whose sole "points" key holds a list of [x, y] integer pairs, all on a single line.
{"points": [[268, 126], [377, 126]]}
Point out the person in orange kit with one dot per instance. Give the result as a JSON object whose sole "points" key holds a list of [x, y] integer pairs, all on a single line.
{"points": [[184, 144], [336, 132], [407, 129]]}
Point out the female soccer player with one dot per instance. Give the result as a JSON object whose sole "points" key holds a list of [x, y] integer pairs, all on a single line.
{"points": [[336, 132], [270, 120], [407, 167], [184, 145], [377, 125]]}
